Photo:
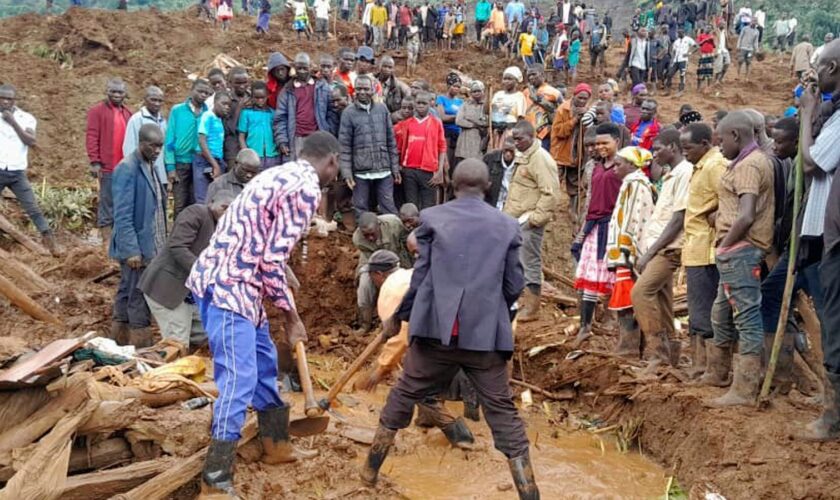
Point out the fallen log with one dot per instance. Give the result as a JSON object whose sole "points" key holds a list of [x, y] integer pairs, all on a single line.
{"points": [[164, 484], [22, 274], [99, 455], [112, 416], [107, 483], [165, 398], [559, 298], [558, 277], [17, 297], [7, 227]]}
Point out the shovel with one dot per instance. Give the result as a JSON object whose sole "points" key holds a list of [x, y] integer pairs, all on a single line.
{"points": [[325, 403], [314, 422]]}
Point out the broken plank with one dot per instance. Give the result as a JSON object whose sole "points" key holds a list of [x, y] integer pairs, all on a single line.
{"points": [[23, 275], [558, 277], [558, 396], [55, 350], [105, 484], [165, 483], [9, 228], [99, 455], [104, 275], [19, 298]]}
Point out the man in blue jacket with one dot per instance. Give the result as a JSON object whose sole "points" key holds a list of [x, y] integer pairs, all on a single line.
{"points": [[139, 233], [304, 107], [466, 279]]}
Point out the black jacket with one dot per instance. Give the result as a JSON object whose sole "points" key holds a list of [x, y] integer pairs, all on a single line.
{"points": [[164, 278], [493, 160], [367, 141]]}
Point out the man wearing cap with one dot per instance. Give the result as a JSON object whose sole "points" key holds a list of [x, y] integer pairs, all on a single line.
{"points": [[533, 196], [369, 159], [365, 61], [374, 233], [392, 283], [457, 307], [304, 107], [567, 141]]}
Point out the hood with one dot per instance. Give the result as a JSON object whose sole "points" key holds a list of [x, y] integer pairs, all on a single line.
{"points": [[277, 59]]}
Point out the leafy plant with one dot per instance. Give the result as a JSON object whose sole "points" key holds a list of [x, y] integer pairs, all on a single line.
{"points": [[67, 208], [57, 55]]}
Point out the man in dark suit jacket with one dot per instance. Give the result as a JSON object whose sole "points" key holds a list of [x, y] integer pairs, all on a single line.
{"points": [[466, 279], [139, 234], [163, 282]]}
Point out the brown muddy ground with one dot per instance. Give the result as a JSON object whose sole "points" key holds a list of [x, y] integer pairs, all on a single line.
{"points": [[742, 453]]}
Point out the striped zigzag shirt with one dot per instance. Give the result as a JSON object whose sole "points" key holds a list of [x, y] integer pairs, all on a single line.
{"points": [[247, 255]]}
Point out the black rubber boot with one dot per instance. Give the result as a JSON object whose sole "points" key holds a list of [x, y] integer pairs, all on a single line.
{"points": [[382, 442], [217, 476], [827, 426], [459, 435], [471, 411], [523, 478], [274, 436]]}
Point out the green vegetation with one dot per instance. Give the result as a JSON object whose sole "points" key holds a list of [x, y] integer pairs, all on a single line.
{"points": [[66, 208], [16, 7]]}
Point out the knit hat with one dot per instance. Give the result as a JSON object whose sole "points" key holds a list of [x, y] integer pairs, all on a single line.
{"points": [[515, 72], [382, 260], [583, 87], [476, 86], [636, 155], [638, 89]]}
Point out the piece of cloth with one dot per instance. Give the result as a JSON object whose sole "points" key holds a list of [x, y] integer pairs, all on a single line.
{"points": [[473, 276], [699, 242], [368, 143], [826, 155], [591, 274], [620, 298], [182, 134], [256, 125], [430, 365], [165, 277], [535, 186], [672, 197], [129, 304], [137, 204], [103, 145], [530, 253], [14, 154], [752, 175], [202, 176], [244, 367], [701, 287], [633, 209], [183, 323], [653, 293], [246, 258], [736, 313], [132, 137], [19, 185]]}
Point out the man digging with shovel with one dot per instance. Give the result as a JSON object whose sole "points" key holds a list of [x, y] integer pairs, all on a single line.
{"points": [[243, 265]]}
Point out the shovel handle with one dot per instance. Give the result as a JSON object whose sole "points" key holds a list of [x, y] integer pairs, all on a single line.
{"points": [[351, 370], [310, 405]]}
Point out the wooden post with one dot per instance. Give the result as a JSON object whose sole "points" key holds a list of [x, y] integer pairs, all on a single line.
{"points": [[17, 297], [22, 274], [7, 227]]}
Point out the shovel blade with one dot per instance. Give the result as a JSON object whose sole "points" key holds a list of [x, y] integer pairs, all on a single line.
{"points": [[308, 426]]}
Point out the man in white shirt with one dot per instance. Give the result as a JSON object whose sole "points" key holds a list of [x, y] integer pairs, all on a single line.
{"points": [[782, 27], [638, 57], [760, 18], [17, 135], [829, 37], [322, 18], [149, 113], [681, 49]]}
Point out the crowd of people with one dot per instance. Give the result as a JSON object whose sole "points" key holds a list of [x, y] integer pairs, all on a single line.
{"points": [[250, 162]]}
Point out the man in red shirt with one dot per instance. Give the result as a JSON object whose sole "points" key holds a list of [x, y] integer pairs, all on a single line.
{"points": [[106, 124], [645, 131], [422, 153]]}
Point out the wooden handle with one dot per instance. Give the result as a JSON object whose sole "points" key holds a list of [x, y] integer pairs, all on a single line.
{"points": [[354, 367], [310, 405]]}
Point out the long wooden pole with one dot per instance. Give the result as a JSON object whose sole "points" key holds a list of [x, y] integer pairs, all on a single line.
{"points": [[17, 297], [789, 279]]}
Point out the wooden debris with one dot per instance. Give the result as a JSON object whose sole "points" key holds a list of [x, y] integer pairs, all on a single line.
{"points": [[9, 228], [558, 277], [104, 275], [21, 370], [19, 298], [107, 483], [21, 274], [557, 396], [103, 454]]}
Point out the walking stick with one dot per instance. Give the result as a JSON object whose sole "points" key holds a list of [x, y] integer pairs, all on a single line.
{"points": [[763, 397]]}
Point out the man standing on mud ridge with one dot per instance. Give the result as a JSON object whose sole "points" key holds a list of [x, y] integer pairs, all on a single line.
{"points": [[106, 125], [17, 135], [151, 112], [244, 265], [457, 307]]}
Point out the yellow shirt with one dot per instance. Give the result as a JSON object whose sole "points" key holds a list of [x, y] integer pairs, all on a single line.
{"points": [[497, 21], [699, 245], [673, 197], [378, 16], [390, 297], [526, 44]]}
